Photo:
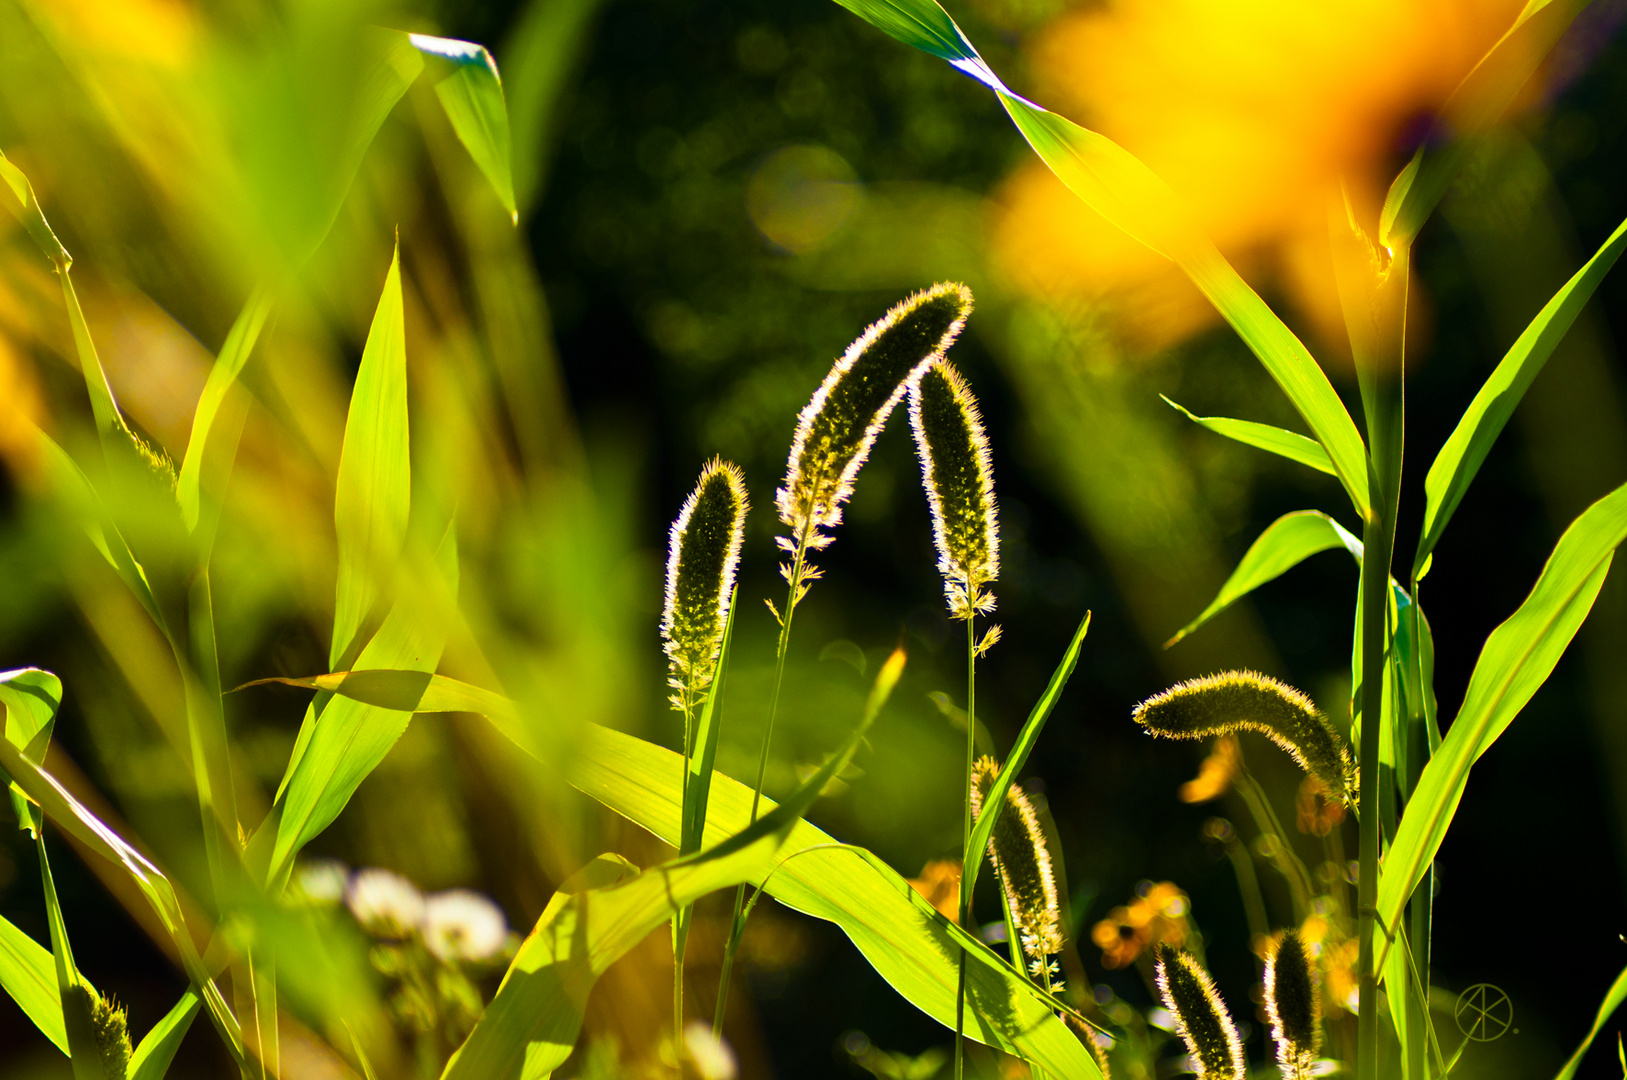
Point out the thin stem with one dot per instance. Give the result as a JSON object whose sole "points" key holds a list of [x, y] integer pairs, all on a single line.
{"points": [[1284, 856], [966, 836], [737, 924], [680, 935]]}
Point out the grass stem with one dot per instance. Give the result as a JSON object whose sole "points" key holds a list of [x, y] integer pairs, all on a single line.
{"points": [[737, 923], [966, 837]]}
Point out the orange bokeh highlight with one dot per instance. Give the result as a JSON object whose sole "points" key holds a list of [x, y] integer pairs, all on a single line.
{"points": [[1255, 112]]}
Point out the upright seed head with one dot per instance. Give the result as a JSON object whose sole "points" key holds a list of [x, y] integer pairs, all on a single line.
{"points": [[703, 554], [1017, 850], [1248, 701], [837, 427], [1294, 1005], [1200, 1016], [959, 481], [112, 1031]]}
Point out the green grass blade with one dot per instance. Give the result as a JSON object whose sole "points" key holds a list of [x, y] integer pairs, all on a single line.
{"points": [[18, 195], [914, 951], [30, 698], [909, 945], [1288, 444], [403, 691], [240, 341], [473, 99], [152, 1058], [374, 488], [532, 1024], [1460, 459], [336, 754], [74, 991], [361, 1056], [996, 798], [1476, 104], [1115, 184], [1515, 661], [1612, 1001], [698, 782], [71, 815], [28, 975], [1286, 543], [68, 482]]}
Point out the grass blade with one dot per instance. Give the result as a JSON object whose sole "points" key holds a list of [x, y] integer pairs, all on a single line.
{"points": [[1288, 444], [473, 99], [1459, 461], [1478, 102], [698, 782], [374, 488], [333, 757], [996, 797], [28, 975], [240, 341], [1122, 189], [1612, 1001], [1515, 661], [1286, 543], [18, 195], [913, 948], [532, 1024], [152, 1058], [71, 815]]}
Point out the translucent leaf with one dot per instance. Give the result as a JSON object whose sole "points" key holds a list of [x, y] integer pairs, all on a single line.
{"points": [[152, 1058], [1286, 543], [473, 99], [1288, 444], [1516, 660], [1459, 461]]}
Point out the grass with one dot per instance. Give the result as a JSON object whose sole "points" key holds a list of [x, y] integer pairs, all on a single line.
{"points": [[408, 637]]}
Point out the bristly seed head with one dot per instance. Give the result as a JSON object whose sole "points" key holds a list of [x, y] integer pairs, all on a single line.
{"points": [[1019, 854], [837, 427], [112, 1033], [1248, 701], [959, 481], [703, 554], [1200, 1016], [1294, 1005]]}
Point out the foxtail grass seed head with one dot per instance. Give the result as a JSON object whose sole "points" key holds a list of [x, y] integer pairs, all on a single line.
{"points": [[1293, 1003], [111, 1029], [837, 427], [1017, 850], [1200, 1016], [702, 557], [959, 481], [1248, 701]]}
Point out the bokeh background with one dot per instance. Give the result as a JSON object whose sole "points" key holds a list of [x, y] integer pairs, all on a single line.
{"points": [[715, 197]]}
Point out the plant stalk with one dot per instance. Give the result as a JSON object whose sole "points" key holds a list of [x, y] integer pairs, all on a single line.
{"points": [[966, 838], [737, 924]]}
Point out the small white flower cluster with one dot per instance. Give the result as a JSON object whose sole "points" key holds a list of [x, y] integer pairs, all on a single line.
{"points": [[458, 924]]}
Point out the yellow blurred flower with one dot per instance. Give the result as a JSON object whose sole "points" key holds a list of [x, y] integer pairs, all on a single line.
{"points": [[1336, 955], [1318, 811], [1217, 772], [1254, 111], [940, 884], [1158, 915]]}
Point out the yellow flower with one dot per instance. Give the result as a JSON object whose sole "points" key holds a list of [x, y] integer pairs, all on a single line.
{"points": [[1217, 772], [1157, 916], [1319, 812], [940, 884]]}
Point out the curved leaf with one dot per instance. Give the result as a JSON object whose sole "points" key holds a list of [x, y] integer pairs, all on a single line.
{"points": [[152, 1058], [240, 341], [1459, 461], [473, 99], [1288, 444], [1516, 660], [1286, 543], [1612, 1001], [1122, 189], [28, 975]]}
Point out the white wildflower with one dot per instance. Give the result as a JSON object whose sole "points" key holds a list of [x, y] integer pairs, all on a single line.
{"points": [[385, 903], [461, 924]]}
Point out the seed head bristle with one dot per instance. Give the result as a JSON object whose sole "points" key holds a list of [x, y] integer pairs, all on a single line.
{"points": [[112, 1032], [703, 554], [837, 427], [1018, 851], [1248, 701], [959, 479], [1200, 1016], [1294, 1005]]}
